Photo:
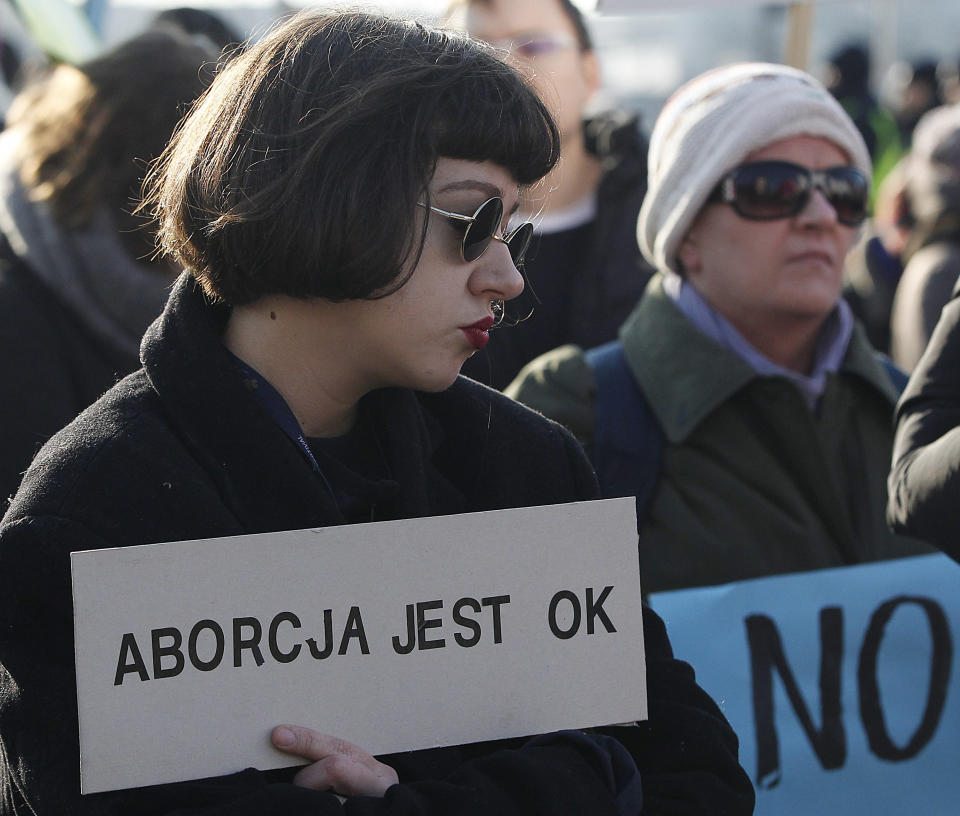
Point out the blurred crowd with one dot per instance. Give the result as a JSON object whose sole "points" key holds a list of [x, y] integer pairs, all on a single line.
{"points": [[897, 278]]}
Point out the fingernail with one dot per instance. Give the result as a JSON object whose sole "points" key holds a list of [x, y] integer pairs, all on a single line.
{"points": [[283, 737]]}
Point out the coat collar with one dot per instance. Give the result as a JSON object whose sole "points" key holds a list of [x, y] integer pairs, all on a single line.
{"points": [[261, 474], [685, 376]]}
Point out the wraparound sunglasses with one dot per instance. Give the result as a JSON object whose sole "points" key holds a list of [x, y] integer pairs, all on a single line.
{"points": [[770, 190], [480, 229]]}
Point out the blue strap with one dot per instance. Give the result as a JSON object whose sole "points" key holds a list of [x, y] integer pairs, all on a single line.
{"points": [[897, 377], [281, 413], [628, 441], [277, 407]]}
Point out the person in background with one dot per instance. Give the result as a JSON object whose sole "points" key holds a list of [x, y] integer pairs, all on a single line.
{"points": [[584, 269], [913, 88], [873, 267], [932, 252], [742, 404], [341, 201], [848, 79], [77, 283], [201, 23], [924, 481], [871, 270]]}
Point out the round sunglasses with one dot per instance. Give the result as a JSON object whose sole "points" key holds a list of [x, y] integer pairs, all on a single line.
{"points": [[770, 190], [480, 229]]}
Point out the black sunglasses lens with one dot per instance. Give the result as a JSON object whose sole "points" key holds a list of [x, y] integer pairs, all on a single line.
{"points": [[848, 191], [519, 242], [485, 222], [766, 191], [769, 190]]}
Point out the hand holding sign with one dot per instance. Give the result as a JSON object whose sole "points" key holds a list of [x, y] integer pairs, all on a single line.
{"points": [[308, 626], [337, 765]]}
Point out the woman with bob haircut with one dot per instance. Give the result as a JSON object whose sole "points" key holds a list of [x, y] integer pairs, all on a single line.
{"points": [[340, 199]]}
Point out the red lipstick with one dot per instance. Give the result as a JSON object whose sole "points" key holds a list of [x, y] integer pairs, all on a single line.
{"points": [[478, 334]]}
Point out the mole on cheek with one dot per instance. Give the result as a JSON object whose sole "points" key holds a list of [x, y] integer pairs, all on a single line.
{"points": [[273, 315]]}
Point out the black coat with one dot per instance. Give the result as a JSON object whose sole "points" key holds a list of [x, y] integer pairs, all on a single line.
{"points": [[52, 366], [180, 450], [924, 480]]}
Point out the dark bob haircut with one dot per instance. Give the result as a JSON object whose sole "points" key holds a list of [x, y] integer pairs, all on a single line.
{"points": [[300, 169]]}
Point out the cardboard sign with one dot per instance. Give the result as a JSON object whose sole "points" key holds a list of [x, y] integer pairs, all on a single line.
{"points": [[394, 635], [842, 684]]}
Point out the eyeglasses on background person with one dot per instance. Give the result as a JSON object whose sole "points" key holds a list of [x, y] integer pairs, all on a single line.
{"points": [[770, 190], [536, 44]]}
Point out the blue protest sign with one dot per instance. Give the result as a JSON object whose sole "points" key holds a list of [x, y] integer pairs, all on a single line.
{"points": [[842, 684]]}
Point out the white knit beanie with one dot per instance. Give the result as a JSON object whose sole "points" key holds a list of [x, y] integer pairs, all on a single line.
{"points": [[711, 124]]}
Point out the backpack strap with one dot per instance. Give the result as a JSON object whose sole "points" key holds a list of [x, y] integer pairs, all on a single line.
{"points": [[898, 377], [628, 441]]}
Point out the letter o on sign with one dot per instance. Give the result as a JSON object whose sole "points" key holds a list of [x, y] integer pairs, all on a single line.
{"points": [[555, 601], [208, 665]]}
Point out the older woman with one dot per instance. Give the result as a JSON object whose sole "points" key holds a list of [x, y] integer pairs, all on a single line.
{"points": [[340, 198], [743, 404]]}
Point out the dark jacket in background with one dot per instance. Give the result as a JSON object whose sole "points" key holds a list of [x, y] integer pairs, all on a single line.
{"points": [[74, 304], [924, 483], [923, 291], [51, 368], [583, 282], [931, 258], [871, 276], [181, 450]]}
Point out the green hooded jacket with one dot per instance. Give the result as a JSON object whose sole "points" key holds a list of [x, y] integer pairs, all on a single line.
{"points": [[752, 482]]}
